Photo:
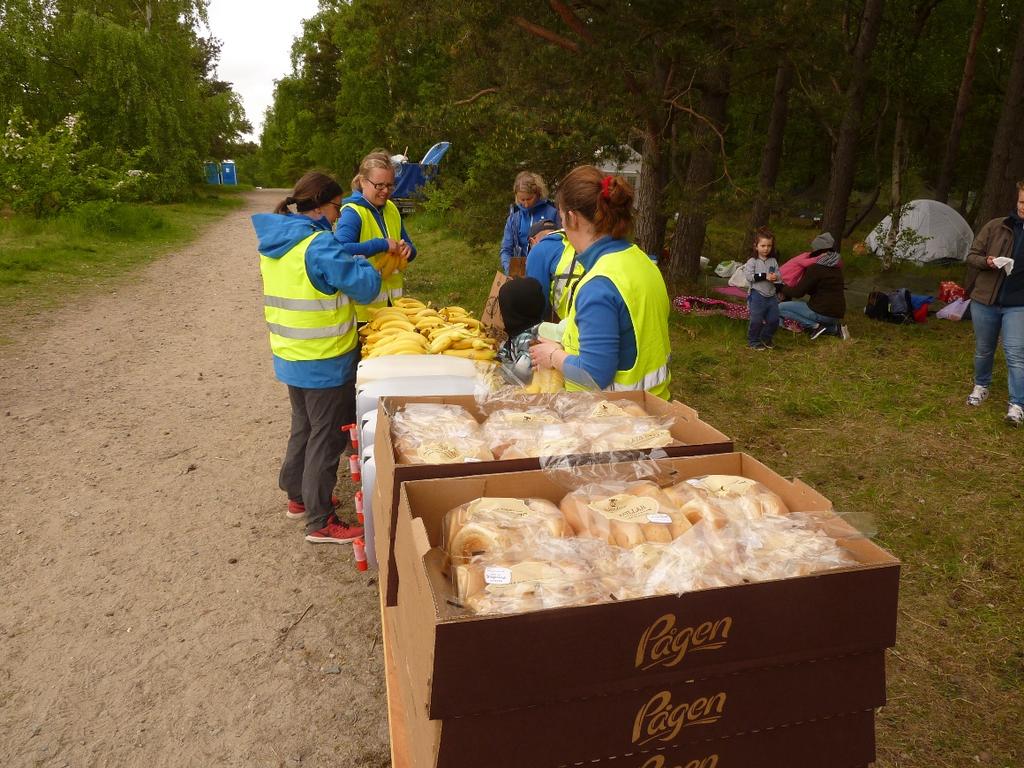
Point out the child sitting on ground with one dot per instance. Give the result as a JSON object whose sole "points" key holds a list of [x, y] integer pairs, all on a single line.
{"points": [[762, 273]]}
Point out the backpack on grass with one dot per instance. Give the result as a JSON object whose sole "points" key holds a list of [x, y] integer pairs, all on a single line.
{"points": [[890, 306]]}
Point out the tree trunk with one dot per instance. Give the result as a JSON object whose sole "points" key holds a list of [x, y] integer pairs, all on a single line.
{"points": [[997, 196], [963, 101], [649, 229], [771, 158], [693, 213], [844, 161]]}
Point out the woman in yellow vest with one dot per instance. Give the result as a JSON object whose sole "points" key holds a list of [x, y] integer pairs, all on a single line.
{"points": [[371, 226], [310, 287], [616, 332]]}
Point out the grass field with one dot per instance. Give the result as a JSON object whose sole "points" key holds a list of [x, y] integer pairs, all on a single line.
{"points": [[43, 261], [878, 424]]}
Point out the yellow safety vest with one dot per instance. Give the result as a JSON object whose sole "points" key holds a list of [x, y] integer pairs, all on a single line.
{"points": [[568, 271], [643, 290], [391, 287], [304, 323]]}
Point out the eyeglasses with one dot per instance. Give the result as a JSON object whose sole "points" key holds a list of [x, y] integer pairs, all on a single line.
{"points": [[380, 186], [336, 205]]}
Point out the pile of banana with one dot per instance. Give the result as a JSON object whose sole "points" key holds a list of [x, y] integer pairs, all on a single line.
{"points": [[410, 327]]}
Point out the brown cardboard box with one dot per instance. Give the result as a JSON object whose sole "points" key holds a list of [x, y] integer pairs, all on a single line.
{"points": [[592, 732], [699, 438], [574, 653]]}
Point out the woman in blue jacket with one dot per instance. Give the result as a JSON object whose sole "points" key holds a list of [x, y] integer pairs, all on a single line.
{"points": [[310, 288], [531, 205]]}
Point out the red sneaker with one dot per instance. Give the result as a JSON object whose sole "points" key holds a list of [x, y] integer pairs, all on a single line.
{"points": [[335, 533], [297, 510]]}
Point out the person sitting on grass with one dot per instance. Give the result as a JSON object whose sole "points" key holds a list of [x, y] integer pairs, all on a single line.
{"points": [[822, 283], [762, 273]]}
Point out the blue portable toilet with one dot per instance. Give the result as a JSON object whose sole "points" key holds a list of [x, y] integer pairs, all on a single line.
{"points": [[212, 172], [228, 174]]}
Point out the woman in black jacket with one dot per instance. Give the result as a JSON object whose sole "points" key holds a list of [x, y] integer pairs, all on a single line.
{"points": [[822, 283]]}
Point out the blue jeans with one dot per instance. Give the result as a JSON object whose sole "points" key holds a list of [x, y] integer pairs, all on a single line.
{"points": [[989, 321], [799, 312], [764, 318]]}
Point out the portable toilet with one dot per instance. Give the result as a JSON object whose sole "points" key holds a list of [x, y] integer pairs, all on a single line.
{"points": [[227, 172], [212, 172]]}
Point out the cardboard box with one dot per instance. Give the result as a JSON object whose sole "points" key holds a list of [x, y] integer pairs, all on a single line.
{"points": [[528, 659], [573, 733], [699, 438]]}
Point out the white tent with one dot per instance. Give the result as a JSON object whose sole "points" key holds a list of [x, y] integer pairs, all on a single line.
{"points": [[947, 237]]}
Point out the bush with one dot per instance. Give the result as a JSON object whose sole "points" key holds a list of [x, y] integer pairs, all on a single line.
{"points": [[45, 172]]}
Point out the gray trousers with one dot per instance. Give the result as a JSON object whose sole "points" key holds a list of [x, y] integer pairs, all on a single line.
{"points": [[310, 468]]}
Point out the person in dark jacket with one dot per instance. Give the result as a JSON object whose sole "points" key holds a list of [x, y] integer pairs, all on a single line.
{"points": [[531, 205], [822, 283], [995, 265]]}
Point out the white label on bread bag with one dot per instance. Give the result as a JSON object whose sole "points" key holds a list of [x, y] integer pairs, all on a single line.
{"points": [[660, 517], [440, 453], [626, 508], [727, 485], [500, 507], [655, 438], [607, 408], [495, 574]]}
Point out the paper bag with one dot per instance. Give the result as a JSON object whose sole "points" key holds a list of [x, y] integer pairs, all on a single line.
{"points": [[491, 314]]}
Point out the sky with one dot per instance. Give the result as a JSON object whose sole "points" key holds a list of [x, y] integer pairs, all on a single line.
{"points": [[256, 48]]}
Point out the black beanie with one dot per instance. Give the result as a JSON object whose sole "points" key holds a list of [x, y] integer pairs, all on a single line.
{"points": [[521, 301]]}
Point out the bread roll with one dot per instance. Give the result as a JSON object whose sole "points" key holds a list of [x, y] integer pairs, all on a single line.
{"points": [[624, 514], [496, 524], [632, 435], [441, 449], [736, 495]]}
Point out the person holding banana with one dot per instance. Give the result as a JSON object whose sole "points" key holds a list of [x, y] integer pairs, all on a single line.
{"points": [[616, 329], [371, 226]]}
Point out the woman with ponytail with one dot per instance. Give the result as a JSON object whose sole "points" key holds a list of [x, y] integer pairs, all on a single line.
{"points": [[616, 332], [371, 226], [310, 287]]}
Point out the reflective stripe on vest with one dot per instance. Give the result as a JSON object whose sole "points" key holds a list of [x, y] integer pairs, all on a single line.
{"points": [[391, 287], [642, 288], [304, 323], [568, 271]]}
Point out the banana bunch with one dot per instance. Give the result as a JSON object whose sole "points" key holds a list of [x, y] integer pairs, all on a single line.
{"points": [[389, 263], [411, 327]]}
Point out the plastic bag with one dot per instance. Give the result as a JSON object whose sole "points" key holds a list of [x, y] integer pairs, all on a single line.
{"points": [[626, 514], [955, 310], [552, 574], [727, 268], [434, 433], [497, 524]]}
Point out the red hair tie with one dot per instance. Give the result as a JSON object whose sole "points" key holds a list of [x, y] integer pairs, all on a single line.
{"points": [[606, 184]]}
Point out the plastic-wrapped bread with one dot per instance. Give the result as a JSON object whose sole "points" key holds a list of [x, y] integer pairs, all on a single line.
{"points": [[434, 418], [624, 514], [691, 501], [630, 434], [440, 449], [497, 524], [435, 433], [523, 429], [735, 495], [547, 574], [546, 440]]}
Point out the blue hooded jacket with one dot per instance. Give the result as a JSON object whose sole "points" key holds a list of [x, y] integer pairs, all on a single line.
{"points": [[329, 269], [350, 226], [516, 240]]}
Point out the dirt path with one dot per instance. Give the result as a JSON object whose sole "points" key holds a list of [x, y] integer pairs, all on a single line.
{"points": [[148, 574]]}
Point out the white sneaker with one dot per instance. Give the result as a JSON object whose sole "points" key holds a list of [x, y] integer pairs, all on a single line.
{"points": [[1015, 416], [844, 333], [978, 395]]}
